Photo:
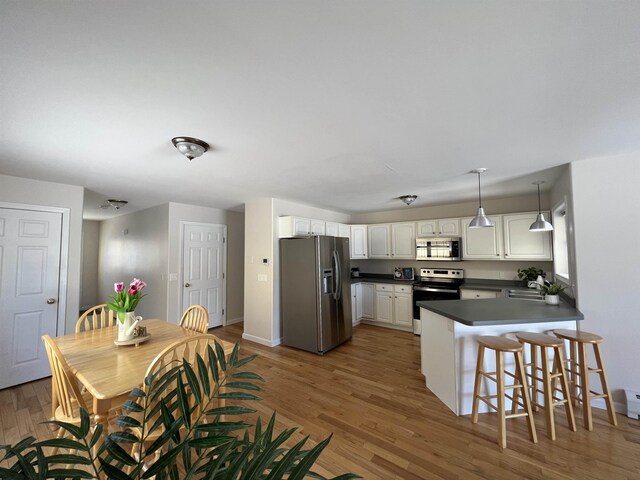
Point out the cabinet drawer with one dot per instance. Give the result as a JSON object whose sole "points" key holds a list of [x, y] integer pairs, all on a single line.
{"points": [[468, 294], [403, 288], [383, 287]]}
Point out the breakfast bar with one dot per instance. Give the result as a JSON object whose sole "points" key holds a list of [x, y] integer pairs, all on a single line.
{"points": [[448, 342]]}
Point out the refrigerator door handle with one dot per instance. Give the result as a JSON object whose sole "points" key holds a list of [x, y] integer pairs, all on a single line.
{"points": [[337, 292]]}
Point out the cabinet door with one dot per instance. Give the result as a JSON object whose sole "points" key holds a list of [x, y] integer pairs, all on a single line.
{"points": [[403, 240], [379, 237], [427, 228], [331, 229], [384, 307], [366, 300], [317, 227], [355, 319], [343, 230], [520, 243], [403, 309], [301, 226], [470, 294], [358, 241], [449, 227], [482, 243]]}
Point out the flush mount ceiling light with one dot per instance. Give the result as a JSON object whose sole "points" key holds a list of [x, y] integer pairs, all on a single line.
{"points": [[190, 147], [540, 225], [408, 199], [117, 204], [480, 220]]}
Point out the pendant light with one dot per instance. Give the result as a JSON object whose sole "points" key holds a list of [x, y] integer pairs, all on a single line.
{"points": [[480, 220], [540, 225]]}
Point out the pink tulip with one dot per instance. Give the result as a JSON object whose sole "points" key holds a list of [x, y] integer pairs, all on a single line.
{"points": [[138, 284], [132, 291], [118, 287]]}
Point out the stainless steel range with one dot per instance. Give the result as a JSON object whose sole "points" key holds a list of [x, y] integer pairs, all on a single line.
{"points": [[435, 284]]}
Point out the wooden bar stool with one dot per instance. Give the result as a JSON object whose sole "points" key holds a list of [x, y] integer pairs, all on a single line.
{"points": [[580, 370], [503, 345], [547, 383]]}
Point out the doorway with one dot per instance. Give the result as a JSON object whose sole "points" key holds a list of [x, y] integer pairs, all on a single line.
{"points": [[203, 269], [30, 290]]}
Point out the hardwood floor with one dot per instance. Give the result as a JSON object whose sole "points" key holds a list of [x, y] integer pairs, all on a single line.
{"points": [[386, 425]]}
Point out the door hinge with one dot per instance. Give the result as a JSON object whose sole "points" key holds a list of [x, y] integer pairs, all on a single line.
{"points": [[223, 311], [224, 239], [222, 274]]}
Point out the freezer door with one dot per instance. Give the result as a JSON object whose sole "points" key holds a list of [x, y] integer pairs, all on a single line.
{"points": [[328, 336], [300, 286]]}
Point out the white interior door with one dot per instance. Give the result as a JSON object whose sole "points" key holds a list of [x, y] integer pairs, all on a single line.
{"points": [[29, 282], [203, 269]]}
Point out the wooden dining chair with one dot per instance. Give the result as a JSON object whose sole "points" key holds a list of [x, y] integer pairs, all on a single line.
{"points": [[195, 318], [170, 357], [65, 387], [96, 317]]}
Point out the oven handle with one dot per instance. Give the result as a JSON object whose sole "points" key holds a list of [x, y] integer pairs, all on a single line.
{"points": [[431, 289]]}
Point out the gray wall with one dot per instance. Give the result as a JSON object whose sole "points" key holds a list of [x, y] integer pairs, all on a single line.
{"points": [[140, 252], [605, 193], [90, 252], [37, 193]]}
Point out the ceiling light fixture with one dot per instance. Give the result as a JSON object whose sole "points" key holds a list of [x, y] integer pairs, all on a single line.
{"points": [[540, 225], [480, 220], [190, 147], [408, 199], [117, 204]]}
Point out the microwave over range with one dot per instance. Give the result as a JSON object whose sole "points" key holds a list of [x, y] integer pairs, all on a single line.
{"points": [[439, 248]]}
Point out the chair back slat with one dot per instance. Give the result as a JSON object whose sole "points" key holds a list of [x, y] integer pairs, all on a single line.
{"points": [[96, 317], [64, 381], [195, 318]]}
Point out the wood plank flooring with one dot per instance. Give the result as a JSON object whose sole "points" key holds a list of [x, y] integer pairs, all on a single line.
{"points": [[386, 425]]}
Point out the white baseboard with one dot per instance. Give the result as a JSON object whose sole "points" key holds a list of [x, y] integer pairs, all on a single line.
{"points": [[617, 406], [235, 320], [262, 341]]}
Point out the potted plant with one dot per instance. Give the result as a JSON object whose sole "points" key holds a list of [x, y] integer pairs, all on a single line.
{"points": [[198, 438], [552, 293], [531, 275]]}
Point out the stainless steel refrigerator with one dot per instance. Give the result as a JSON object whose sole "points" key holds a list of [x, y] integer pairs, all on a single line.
{"points": [[315, 292]]}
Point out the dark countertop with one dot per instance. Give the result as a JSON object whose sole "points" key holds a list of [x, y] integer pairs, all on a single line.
{"points": [[501, 311], [380, 278]]}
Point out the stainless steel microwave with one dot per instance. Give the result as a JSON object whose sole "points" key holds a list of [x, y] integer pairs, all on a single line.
{"points": [[439, 248]]}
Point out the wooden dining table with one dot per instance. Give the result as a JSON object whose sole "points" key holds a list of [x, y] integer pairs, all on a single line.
{"points": [[110, 372]]}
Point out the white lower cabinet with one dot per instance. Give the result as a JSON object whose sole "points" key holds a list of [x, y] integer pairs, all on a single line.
{"points": [[471, 294], [403, 308], [354, 304], [362, 306], [384, 306]]}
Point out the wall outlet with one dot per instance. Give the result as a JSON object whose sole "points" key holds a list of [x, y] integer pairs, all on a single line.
{"points": [[502, 275]]}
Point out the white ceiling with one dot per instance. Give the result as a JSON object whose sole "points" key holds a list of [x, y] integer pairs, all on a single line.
{"points": [[339, 104]]}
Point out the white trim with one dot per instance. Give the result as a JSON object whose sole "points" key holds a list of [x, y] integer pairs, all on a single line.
{"points": [[262, 341], [182, 224], [235, 320], [64, 255]]}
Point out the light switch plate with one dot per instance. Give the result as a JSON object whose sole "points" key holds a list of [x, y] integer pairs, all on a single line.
{"points": [[262, 278]]}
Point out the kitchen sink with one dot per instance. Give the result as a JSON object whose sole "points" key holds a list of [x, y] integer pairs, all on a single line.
{"points": [[535, 295]]}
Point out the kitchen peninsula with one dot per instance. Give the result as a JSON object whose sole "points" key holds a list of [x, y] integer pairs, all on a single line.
{"points": [[449, 349]]}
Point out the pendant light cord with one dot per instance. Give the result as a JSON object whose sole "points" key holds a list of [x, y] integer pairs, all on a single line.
{"points": [[479, 196], [539, 207]]}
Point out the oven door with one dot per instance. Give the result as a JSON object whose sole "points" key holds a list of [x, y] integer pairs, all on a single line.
{"points": [[423, 294]]}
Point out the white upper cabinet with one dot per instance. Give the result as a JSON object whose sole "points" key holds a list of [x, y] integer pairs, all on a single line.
{"points": [[482, 243], [379, 237], [343, 230], [293, 226], [331, 229], [317, 227], [445, 227], [358, 241], [520, 243], [403, 240]]}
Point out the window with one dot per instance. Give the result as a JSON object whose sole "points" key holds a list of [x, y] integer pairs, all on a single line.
{"points": [[561, 268]]}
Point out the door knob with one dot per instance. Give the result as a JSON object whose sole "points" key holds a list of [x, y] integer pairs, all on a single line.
{"points": [[51, 301], [187, 285]]}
